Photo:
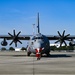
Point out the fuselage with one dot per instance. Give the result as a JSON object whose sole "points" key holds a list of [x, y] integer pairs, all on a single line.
{"points": [[38, 44], [39, 41]]}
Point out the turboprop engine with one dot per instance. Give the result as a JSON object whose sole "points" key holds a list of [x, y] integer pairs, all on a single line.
{"points": [[4, 42]]}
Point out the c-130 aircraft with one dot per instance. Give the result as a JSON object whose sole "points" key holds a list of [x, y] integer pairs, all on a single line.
{"points": [[38, 44]]}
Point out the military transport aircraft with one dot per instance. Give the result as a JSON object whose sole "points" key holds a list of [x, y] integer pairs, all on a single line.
{"points": [[38, 43]]}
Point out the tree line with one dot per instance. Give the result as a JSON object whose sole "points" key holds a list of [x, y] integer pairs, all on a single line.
{"points": [[66, 48], [11, 49], [52, 48]]}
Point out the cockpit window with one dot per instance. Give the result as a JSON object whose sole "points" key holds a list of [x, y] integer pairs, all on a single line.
{"points": [[37, 38]]}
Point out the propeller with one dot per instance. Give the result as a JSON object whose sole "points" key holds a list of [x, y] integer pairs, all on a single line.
{"points": [[15, 38], [62, 38]]}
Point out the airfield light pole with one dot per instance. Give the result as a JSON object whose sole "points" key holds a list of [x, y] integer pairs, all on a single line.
{"points": [[33, 29]]}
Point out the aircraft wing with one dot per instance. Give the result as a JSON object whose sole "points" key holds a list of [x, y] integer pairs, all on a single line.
{"points": [[21, 37], [61, 38], [15, 38], [56, 37], [51, 37]]}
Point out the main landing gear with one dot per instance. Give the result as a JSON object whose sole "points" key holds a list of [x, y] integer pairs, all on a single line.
{"points": [[28, 53]]}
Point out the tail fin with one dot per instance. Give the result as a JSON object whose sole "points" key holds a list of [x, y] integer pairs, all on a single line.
{"points": [[38, 28]]}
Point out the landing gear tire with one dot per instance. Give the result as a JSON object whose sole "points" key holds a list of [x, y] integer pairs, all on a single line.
{"points": [[28, 53], [48, 54], [38, 58]]}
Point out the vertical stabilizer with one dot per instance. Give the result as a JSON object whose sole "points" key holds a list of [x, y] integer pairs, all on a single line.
{"points": [[38, 28]]}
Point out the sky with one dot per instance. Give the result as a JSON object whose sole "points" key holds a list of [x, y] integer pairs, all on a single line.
{"points": [[55, 15]]}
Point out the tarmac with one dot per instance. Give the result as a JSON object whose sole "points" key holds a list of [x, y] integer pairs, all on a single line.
{"points": [[17, 63]]}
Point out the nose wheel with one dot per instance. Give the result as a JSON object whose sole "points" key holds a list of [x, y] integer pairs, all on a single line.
{"points": [[28, 53], [38, 55], [38, 58]]}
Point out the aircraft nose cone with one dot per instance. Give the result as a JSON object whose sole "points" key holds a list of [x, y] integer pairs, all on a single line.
{"points": [[38, 45]]}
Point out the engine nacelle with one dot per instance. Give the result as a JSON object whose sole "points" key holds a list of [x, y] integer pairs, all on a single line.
{"points": [[4, 43], [71, 44]]}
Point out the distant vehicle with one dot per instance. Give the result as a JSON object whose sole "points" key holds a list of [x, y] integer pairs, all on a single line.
{"points": [[38, 43]]}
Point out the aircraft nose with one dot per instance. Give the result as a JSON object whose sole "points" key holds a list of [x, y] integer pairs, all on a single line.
{"points": [[38, 45], [38, 50]]}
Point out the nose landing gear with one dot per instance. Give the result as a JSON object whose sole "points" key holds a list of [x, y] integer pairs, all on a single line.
{"points": [[38, 55], [38, 58]]}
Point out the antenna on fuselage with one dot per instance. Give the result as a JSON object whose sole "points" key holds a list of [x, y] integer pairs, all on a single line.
{"points": [[38, 29]]}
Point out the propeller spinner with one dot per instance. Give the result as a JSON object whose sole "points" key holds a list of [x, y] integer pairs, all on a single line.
{"points": [[15, 38], [62, 38]]}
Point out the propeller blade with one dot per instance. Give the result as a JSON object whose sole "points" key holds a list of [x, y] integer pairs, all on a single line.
{"points": [[15, 44], [10, 35], [11, 43], [59, 34], [19, 41], [14, 32], [65, 43], [15, 38], [57, 41], [63, 33], [18, 33], [62, 38], [68, 40], [67, 35], [60, 44]]}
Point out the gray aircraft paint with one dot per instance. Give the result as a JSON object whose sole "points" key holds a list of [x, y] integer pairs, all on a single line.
{"points": [[38, 41]]}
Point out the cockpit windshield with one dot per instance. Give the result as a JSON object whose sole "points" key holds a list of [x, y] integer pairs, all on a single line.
{"points": [[37, 38]]}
